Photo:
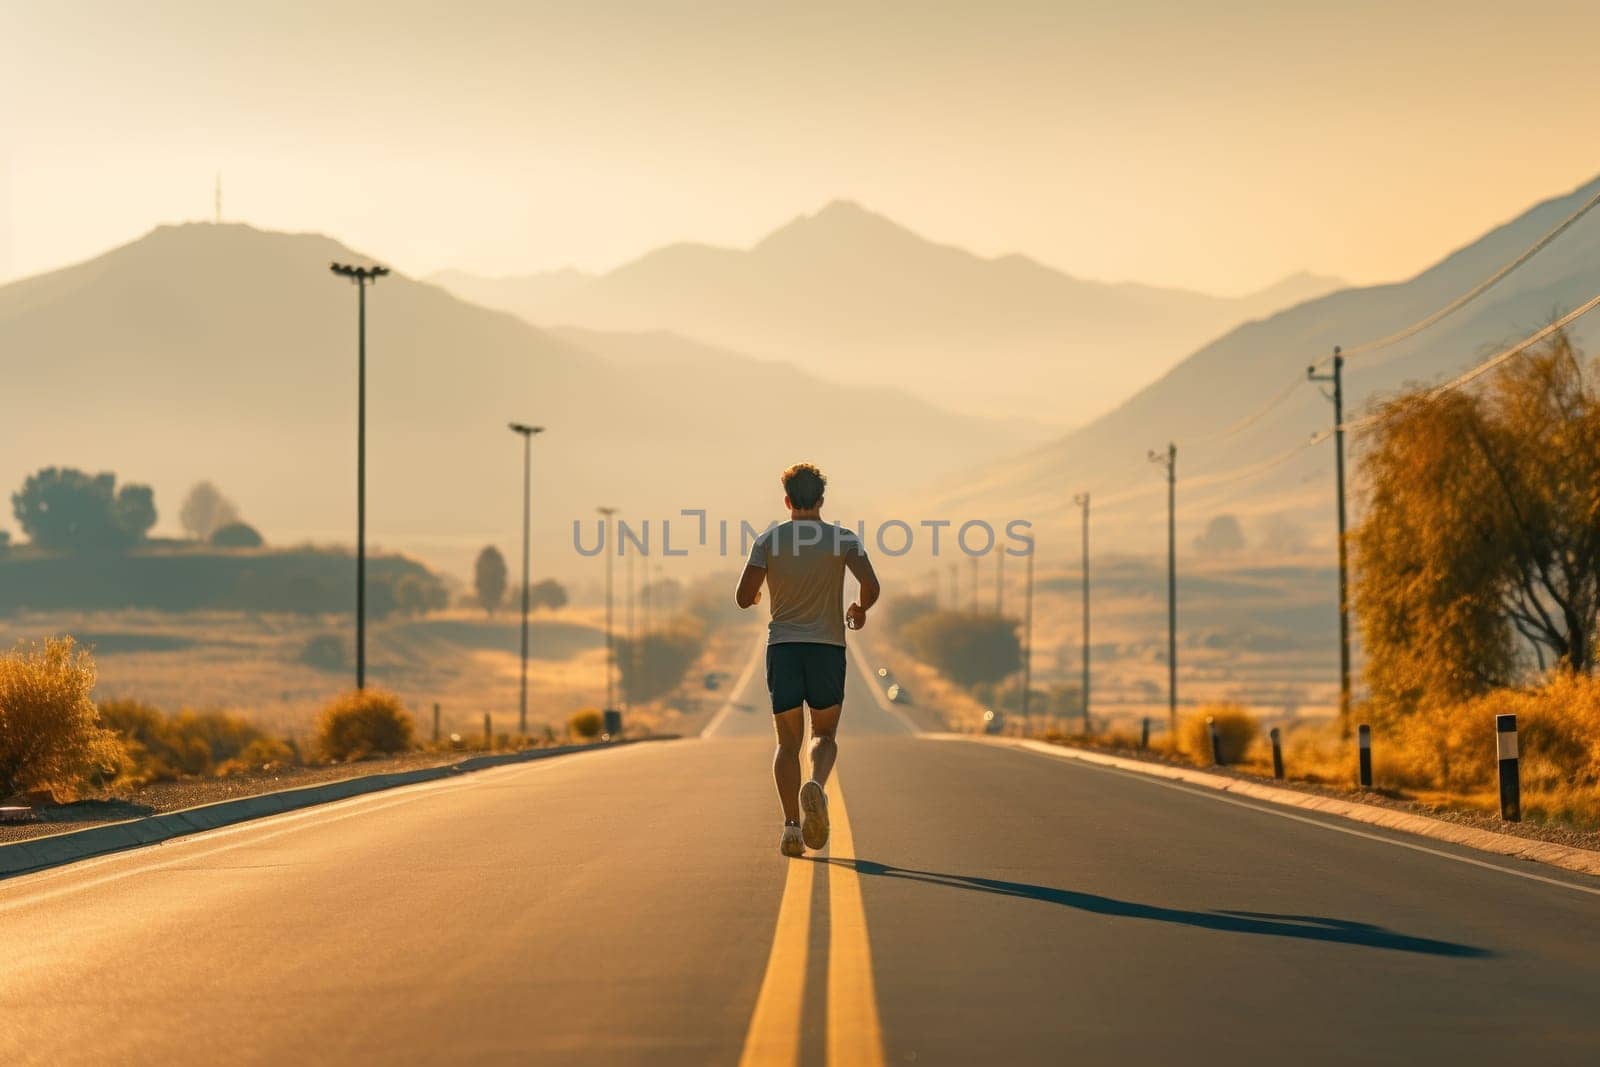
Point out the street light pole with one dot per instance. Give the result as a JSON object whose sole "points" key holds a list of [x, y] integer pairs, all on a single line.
{"points": [[362, 277], [645, 676], [1082, 500], [1169, 459], [526, 433], [1027, 631], [1337, 380], [611, 653], [633, 646]]}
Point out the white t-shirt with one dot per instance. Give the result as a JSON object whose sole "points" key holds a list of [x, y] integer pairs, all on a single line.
{"points": [[805, 564]]}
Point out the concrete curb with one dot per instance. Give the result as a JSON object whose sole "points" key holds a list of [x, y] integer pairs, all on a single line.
{"points": [[21, 857], [1581, 860]]}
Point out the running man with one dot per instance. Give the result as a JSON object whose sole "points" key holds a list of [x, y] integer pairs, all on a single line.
{"points": [[803, 563]]}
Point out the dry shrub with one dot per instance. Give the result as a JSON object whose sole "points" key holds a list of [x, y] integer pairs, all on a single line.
{"points": [[50, 734], [1236, 730], [587, 723], [325, 652], [653, 665], [968, 649], [161, 747], [363, 722], [1437, 748], [1313, 751], [1452, 748], [262, 754]]}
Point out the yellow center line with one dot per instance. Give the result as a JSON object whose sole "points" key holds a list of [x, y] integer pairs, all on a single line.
{"points": [[773, 1039], [855, 1034]]}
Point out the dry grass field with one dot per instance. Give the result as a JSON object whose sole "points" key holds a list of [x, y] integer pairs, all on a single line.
{"points": [[280, 670], [1256, 631]]}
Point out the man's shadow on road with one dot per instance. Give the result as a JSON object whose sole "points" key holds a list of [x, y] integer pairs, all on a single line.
{"points": [[1303, 927]]}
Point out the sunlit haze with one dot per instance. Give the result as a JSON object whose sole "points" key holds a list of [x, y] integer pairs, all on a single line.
{"points": [[799, 535], [1216, 147]]}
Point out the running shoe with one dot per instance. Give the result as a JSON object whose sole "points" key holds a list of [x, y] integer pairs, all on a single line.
{"points": [[814, 802]]}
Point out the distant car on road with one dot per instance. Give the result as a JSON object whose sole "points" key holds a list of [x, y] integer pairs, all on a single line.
{"points": [[898, 694], [993, 722]]}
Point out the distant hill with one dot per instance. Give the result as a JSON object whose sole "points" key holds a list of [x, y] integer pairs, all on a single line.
{"points": [[854, 297], [227, 353], [1226, 382], [304, 580]]}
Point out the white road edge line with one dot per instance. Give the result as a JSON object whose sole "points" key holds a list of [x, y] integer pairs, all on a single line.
{"points": [[275, 826], [878, 694], [1266, 809], [738, 688]]}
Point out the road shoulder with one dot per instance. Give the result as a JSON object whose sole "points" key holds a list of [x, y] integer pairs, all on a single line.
{"points": [[1582, 861], [33, 854]]}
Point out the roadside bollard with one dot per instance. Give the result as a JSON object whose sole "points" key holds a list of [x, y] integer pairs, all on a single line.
{"points": [[1144, 733], [1277, 754], [1505, 732], [1364, 740], [1216, 741], [488, 732], [436, 724]]}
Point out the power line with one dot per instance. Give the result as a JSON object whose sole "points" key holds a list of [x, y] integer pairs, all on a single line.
{"points": [[1112, 501], [1289, 388], [1241, 425], [1115, 500], [1104, 501], [1471, 294], [1239, 474], [1493, 361]]}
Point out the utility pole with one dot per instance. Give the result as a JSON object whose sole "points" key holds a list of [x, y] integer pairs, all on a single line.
{"points": [[1082, 500], [1027, 633], [1337, 380], [1169, 459], [527, 433], [611, 651], [633, 647], [362, 277], [644, 606], [1000, 583]]}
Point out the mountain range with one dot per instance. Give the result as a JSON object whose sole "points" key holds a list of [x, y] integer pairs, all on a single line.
{"points": [[224, 352], [1237, 408], [228, 353], [856, 298]]}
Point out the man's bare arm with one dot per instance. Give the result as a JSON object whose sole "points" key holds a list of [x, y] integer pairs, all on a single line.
{"points": [[749, 591], [861, 567]]}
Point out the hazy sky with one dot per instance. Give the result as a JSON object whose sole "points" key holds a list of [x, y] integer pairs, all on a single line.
{"points": [[1216, 145]]}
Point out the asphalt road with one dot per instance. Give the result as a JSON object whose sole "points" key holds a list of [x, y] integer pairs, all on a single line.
{"points": [[978, 905]]}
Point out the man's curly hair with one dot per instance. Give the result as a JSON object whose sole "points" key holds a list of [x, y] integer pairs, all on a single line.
{"points": [[803, 483]]}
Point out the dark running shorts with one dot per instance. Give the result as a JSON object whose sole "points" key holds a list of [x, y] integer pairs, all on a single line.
{"points": [[804, 672]]}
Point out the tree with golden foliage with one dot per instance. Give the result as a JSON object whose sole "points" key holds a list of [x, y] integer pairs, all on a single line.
{"points": [[1478, 556]]}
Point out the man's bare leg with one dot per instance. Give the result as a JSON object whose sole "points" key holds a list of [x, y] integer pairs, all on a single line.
{"points": [[813, 801], [824, 746], [791, 727]]}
